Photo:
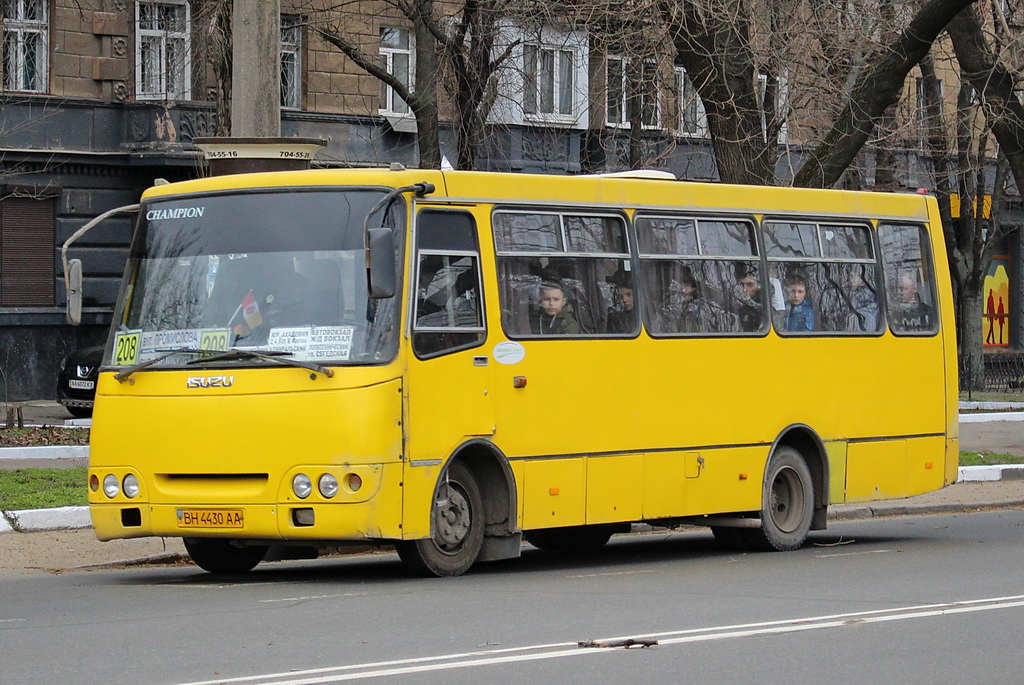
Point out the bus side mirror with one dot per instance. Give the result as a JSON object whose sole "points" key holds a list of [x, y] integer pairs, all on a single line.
{"points": [[74, 291], [380, 270]]}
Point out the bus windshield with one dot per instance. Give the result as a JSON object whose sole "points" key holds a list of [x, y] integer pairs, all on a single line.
{"points": [[269, 272]]}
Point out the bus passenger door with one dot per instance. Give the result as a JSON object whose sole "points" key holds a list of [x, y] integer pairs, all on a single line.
{"points": [[449, 375]]}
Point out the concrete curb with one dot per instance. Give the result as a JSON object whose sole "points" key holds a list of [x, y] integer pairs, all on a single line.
{"points": [[48, 452], [39, 520], [992, 416], [896, 509]]}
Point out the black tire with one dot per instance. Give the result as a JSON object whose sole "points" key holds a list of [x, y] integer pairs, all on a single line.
{"points": [[570, 539], [457, 528], [222, 557], [787, 504], [80, 412]]}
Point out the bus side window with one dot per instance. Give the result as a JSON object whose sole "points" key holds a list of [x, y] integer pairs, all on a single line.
{"points": [[909, 279], [448, 308], [563, 274]]}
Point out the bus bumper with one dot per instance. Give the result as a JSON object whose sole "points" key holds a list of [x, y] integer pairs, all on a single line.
{"points": [[376, 517]]}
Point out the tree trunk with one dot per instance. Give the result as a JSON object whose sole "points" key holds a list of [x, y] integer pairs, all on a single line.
{"points": [[994, 83], [972, 356], [877, 88], [424, 104], [718, 57]]}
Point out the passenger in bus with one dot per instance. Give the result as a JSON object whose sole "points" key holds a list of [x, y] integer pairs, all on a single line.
{"points": [[911, 313], [622, 316], [553, 318], [697, 315], [864, 304], [751, 303], [799, 312]]}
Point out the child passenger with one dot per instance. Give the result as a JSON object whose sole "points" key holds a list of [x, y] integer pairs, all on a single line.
{"points": [[553, 318], [799, 313]]}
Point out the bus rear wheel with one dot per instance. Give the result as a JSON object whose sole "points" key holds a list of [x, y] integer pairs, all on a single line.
{"points": [[787, 504], [457, 528], [222, 557]]}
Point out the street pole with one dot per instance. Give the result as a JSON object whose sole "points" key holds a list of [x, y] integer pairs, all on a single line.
{"points": [[256, 69]]}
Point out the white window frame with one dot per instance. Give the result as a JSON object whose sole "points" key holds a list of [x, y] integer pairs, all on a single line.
{"points": [[291, 62], [172, 82], [693, 120], [390, 103], [922, 107], [548, 94], [781, 106], [511, 82], [19, 33], [623, 87]]}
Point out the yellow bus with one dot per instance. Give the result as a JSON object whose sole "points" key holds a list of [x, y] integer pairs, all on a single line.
{"points": [[453, 362]]}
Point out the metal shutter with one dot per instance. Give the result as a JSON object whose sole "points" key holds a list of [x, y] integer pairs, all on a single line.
{"points": [[27, 252]]}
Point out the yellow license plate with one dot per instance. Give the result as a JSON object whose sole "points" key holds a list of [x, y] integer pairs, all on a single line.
{"points": [[211, 518]]}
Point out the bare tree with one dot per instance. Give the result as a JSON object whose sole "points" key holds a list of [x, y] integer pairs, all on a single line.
{"points": [[334, 27]]}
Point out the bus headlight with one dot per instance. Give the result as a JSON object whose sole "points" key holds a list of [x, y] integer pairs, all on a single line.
{"points": [[354, 482], [302, 486], [110, 486], [130, 486], [328, 485]]}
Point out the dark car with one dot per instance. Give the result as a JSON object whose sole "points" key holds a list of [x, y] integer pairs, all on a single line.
{"points": [[76, 383]]}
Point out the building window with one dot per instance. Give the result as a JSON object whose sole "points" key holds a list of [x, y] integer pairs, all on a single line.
{"points": [[291, 62], [924, 123], [163, 53], [693, 120], [632, 84], [27, 246], [773, 110], [396, 58], [25, 45], [549, 81]]}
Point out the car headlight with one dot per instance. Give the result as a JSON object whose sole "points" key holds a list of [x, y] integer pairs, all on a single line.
{"points": [[110, 486], [328, 485], [302, 486], [130, 486]]}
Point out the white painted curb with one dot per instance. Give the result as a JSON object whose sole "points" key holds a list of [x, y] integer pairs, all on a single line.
{"points": [[992, 416], [49, 452], [36, 520], [990, 473]]}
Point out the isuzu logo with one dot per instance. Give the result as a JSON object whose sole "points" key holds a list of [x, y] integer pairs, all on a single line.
{"points": [[210, 381]]}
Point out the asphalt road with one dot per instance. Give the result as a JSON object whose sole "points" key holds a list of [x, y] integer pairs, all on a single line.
{"points": [[911, 600]]}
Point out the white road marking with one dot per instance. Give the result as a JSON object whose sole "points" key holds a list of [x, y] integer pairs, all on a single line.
{"points": [[444, 662], [852, 554], [309, 597], [611, 573]]}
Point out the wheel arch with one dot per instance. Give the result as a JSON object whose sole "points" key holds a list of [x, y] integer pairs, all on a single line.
{"points": [[496, 481], [811, 447]]}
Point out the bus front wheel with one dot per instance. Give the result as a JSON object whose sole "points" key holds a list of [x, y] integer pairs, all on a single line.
{"points": [[787, 504], [457, 528], [222, 557]]}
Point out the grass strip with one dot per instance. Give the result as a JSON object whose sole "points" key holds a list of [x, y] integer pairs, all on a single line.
{"points": [[988, 459], [42, 488]]}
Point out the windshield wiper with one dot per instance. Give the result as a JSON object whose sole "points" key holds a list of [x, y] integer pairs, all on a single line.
{"points": [[265, 355], [123, 375]]}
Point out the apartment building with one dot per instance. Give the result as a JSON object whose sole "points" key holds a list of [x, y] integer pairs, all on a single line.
{"points": [[101, 97]]}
